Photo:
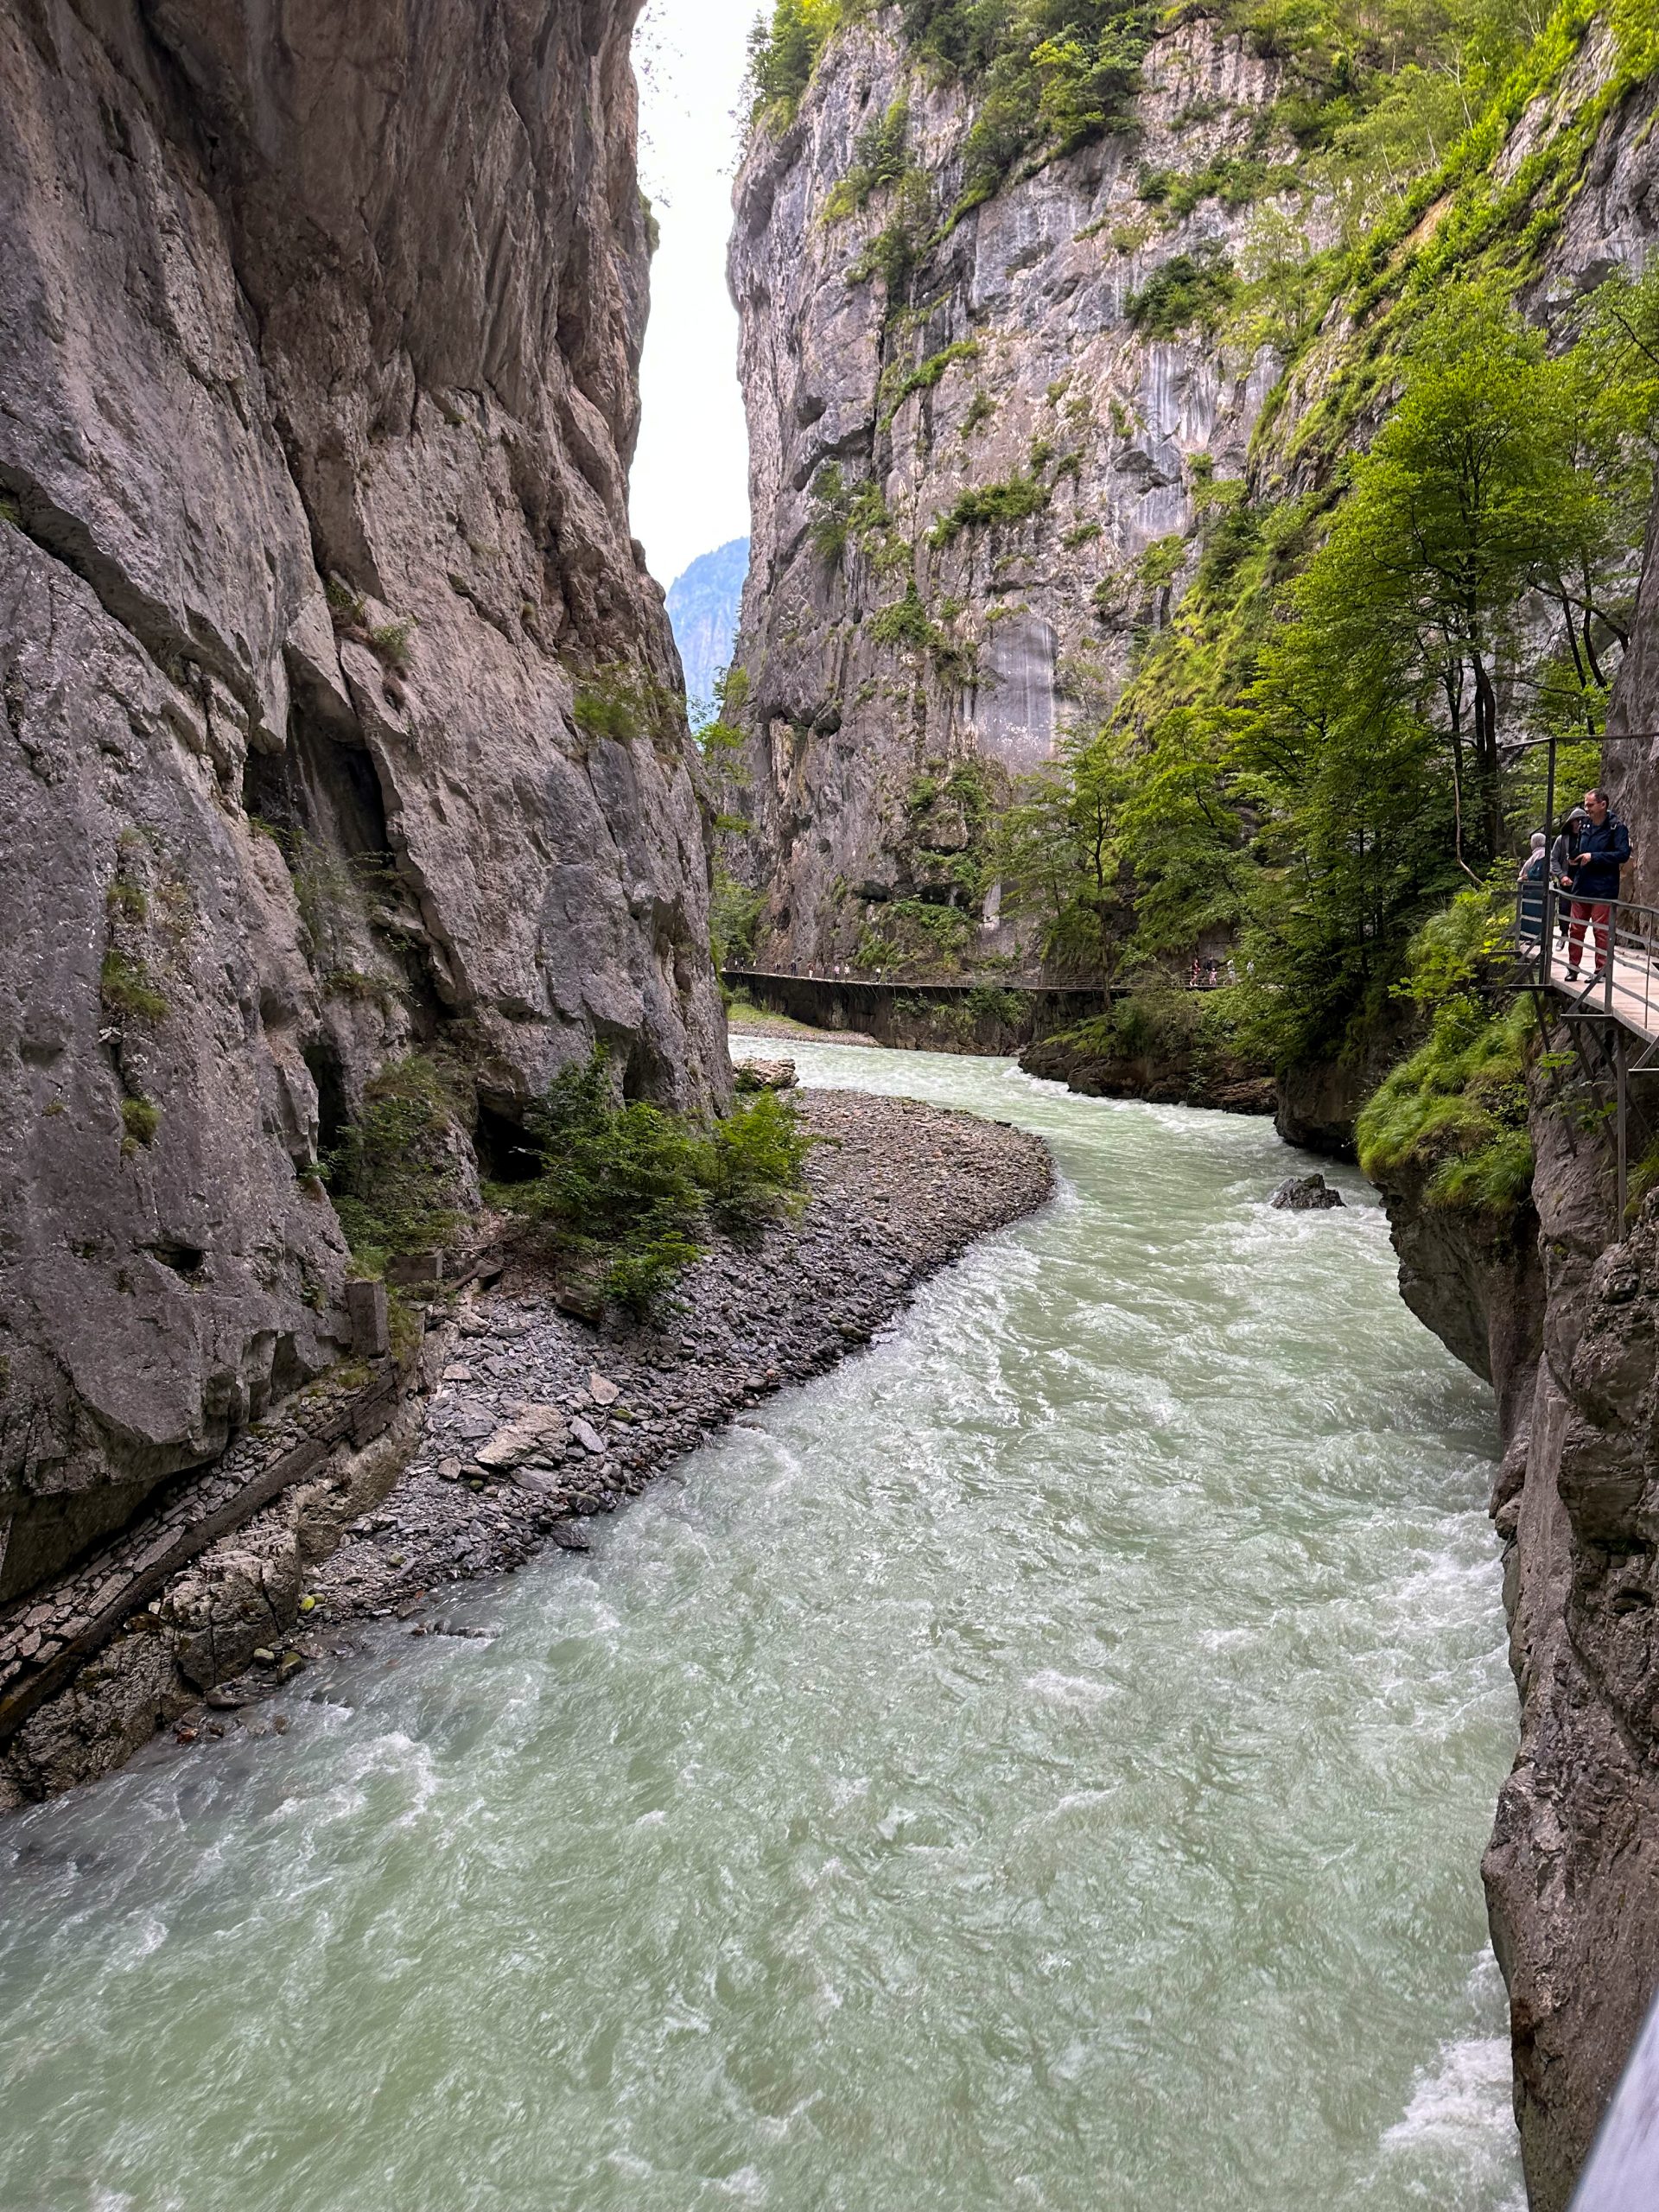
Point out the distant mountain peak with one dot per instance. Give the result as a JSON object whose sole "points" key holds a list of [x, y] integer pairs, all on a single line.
{"points": [[703, 606]]}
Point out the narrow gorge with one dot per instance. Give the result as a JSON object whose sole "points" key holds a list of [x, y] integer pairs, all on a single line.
{"points": [[1030, 1737]]}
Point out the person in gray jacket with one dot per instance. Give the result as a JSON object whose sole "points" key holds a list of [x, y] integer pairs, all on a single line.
{"points": [[1561, 866]]}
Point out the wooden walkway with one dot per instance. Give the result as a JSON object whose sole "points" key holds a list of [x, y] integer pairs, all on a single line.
{"points": [[1629, 995]]}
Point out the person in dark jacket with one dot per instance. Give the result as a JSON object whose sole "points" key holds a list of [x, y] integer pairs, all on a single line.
{"points": [[1603, 846]]}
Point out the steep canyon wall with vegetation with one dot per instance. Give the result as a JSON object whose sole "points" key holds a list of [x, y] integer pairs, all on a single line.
{"points": [[346, 793], [1098, 313], [1200, 454]]}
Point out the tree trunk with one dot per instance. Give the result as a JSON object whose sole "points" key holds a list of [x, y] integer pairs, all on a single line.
{"points": [[1485, 736]]}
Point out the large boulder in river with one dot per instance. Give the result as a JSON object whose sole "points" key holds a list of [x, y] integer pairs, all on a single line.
{"points": [[1306, 1194], [765, 1075]]}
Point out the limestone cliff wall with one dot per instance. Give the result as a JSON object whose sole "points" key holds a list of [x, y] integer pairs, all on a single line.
{"points": [[1007, 354], [319, 328], [1029, 369]]}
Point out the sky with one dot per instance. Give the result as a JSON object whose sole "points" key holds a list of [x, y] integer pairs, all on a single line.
{"points": [[690, 474]]}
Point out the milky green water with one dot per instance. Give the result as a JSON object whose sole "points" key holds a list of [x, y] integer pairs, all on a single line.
{"points": [[1045, 1763]]}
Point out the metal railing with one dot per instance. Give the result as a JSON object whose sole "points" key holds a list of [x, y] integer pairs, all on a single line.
{"points": [[1602, 953], [1621, 2173]]}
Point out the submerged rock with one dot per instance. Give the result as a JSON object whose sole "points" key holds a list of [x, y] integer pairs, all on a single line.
{"points": [[1306, 1194]]}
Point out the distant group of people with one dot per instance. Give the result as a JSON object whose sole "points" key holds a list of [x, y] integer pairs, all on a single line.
{"points": [[1208, 975], [1583, 864]]}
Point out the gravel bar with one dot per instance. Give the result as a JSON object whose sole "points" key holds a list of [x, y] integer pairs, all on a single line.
{"points": [[540, 1420]]}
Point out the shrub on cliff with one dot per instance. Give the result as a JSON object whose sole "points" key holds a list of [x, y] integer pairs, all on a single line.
{"points": [[1454, 1114], [1191, 288], [624, 1189], [395, 1175], [991, 506]]}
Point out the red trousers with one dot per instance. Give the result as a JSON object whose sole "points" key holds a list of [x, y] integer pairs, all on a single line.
{"points": [[1599, 917]]}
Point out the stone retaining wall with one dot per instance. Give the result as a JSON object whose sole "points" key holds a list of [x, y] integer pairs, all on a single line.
{"points": [[47, 1636]]}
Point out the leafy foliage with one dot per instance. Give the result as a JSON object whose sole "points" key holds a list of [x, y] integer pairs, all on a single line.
{"points": [[734, 916], [1050, 75], [928, 373], [1455, 1112], [854, 515], [624, 1189], [127, 988], [878, 160], [991, 506], [905, 623], [915, 934], [396, 1174], [141, 1119], [621, 703], [783, 52], [752, 1165], [1189, 288], [1235, 179], [898, 250]]}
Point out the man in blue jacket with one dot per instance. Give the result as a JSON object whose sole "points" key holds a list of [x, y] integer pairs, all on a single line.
{"points": [[1601, 847]]}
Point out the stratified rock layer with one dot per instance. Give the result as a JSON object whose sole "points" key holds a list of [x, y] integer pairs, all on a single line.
{"points": [[318, 338]]}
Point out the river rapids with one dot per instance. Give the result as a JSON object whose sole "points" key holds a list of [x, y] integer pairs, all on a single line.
{"points": [[1043, 1764]]}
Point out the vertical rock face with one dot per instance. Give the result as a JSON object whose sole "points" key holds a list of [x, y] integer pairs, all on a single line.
{"points": [[338, 718], [1573, 1873], [1562, 1313], [894, 641]]}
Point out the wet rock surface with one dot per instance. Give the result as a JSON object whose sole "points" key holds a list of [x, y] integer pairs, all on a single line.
{"points": [[1176, 1079], [1306, 1194]]}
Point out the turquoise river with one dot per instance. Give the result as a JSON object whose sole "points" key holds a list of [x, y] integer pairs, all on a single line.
{"points": [[1044, 1764]]}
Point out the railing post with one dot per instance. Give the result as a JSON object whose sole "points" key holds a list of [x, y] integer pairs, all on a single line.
{"points": [[1611, 957], [1624, 1123], [1546, 951]]}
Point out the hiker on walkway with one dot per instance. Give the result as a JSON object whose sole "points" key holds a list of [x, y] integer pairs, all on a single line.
{"points": [[1531, 882], [1601, 847], [1560, 865]]}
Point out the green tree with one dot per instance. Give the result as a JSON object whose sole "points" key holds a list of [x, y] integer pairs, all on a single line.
{"points": [[783, 52], [1467, 494], [1057, 853], [1600, 402]]}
